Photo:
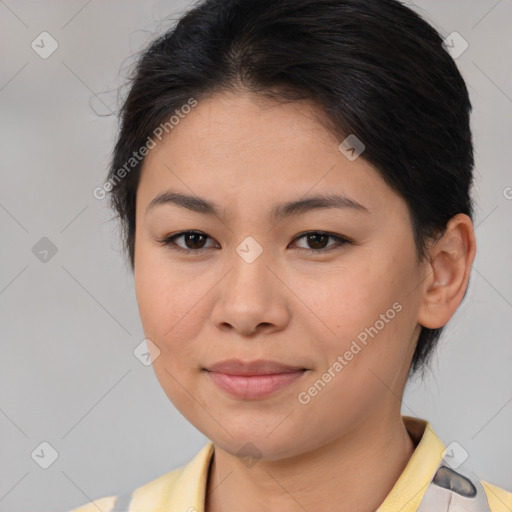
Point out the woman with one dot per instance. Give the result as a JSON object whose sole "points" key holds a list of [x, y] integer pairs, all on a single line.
{"points": [[293, 179]]}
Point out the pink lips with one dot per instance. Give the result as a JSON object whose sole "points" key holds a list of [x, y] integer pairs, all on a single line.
{"points": [[254, 379]]}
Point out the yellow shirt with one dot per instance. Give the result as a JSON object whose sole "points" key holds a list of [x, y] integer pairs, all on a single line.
{"points": [[183, 489]]}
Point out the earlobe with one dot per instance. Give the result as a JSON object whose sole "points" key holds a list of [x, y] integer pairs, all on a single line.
{"points": [[451, 258]]}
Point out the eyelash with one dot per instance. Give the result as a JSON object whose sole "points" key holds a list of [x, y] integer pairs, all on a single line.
{"points": [[169, 242]]}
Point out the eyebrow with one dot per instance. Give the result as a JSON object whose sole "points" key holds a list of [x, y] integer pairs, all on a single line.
{"points": [[300, 206]]}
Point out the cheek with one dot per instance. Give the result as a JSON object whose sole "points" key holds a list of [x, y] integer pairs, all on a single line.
{"points": [[365, 308], [169, 308], [169, 301], [348, 299]]}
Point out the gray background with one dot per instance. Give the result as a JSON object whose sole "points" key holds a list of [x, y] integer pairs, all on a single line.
{"points": [[70, 324]]}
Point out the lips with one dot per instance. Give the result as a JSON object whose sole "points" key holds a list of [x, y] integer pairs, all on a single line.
{"points": [[254, 379], [258, 367]]}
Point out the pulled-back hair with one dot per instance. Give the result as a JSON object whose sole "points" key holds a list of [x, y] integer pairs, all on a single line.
{"points": [[374, 68]]}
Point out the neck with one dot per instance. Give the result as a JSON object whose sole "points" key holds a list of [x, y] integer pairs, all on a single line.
{"points": [[334, 477]]}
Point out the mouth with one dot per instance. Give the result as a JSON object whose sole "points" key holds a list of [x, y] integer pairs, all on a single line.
{"points": [[253, 380]]}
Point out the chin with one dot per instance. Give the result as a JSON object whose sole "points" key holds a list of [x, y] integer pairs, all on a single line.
{"points": [[253, 443]]}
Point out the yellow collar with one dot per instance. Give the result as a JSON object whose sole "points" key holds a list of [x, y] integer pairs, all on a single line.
{"points": [[184, 489]]}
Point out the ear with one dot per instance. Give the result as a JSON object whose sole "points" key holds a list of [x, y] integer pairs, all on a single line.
{"points": [[450, 260]]}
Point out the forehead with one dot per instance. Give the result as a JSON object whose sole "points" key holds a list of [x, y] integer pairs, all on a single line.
{"points": [[244, 147]]}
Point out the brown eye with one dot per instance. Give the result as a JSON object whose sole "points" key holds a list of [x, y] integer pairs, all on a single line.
{"points": [[317, 241], [193, 241]]}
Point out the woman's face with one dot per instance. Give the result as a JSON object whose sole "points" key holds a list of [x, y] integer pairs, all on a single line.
{"points": [[255, 286]]}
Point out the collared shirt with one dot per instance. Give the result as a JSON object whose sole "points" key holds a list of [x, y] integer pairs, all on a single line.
{"points": [[435, 479]]}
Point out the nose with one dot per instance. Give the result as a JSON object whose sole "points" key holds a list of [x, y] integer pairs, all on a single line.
{"points": [[252, 299]]}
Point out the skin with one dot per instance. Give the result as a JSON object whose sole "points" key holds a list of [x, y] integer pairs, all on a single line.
{"points": [[293, 305]]}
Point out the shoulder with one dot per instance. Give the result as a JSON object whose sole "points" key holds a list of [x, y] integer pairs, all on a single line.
{"points": [[175, 490], [500, 500], [154, 488]]}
